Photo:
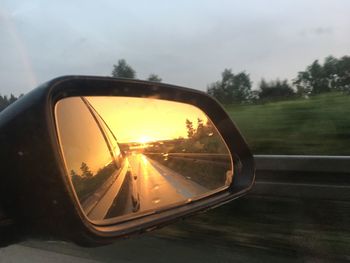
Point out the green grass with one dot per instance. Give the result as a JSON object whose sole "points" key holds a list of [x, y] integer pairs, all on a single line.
{"points": [[319, 125]]}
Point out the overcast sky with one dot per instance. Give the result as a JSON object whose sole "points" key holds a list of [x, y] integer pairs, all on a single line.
{"points": [[187, 43]]}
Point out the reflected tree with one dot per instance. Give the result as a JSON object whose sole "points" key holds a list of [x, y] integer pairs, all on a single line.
{"points": [[86, 170], [190, 129], [73, 174], [87, 183], [200, 128]]}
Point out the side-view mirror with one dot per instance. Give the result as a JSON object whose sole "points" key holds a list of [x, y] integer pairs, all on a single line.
{"points": [[90, 159]]}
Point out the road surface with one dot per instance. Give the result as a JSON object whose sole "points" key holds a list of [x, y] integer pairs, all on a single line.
{"points": [[158, 186]]}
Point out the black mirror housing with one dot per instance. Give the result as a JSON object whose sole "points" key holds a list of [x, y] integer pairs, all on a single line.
{"points": [[35, 196]]}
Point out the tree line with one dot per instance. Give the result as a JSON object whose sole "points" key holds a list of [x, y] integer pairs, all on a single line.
{"points": [[6, 101], [121, 70], [236, 88], [332, 75], [124, 70]]}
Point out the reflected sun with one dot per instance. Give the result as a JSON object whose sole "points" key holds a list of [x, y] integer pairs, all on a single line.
{"points": [[145, 139]]}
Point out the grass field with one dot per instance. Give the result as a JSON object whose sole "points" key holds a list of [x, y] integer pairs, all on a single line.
{"points": [[319, 125]]}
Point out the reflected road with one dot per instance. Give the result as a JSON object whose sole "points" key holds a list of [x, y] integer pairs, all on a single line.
{"points": [[158, 186]]}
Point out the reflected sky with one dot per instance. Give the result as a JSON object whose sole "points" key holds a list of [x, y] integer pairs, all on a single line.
{"points": [[80, 137], [143, 119]]}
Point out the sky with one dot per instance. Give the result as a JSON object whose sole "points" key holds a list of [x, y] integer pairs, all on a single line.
{"points": [[187, 43], [145, 120], [132, 120]]}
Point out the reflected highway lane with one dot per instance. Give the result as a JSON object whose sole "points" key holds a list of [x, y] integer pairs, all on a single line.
{"points": [[158, 186]]}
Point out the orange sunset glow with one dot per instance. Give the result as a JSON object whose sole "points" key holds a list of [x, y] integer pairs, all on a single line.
{"points": [[127, 155], [145, 120]]}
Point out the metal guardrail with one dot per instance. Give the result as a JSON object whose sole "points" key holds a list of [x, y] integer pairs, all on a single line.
{"points": [[209, 158], [302, 163], [282, 163], [303, 177]]}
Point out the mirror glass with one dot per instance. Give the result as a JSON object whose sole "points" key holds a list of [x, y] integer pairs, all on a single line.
{"points": [[129, 156]]}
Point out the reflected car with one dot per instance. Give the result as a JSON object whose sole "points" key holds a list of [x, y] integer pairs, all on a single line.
{"points": [[105, 186]]}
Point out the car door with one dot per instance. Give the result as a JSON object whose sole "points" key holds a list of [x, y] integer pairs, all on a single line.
{"points": [[96, 166]]}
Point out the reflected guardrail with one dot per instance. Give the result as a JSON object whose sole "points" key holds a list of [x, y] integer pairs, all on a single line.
{"points": [[214, 158]]}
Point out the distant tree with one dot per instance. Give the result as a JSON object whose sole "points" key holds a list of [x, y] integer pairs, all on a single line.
{"points": [[313, 80], [76, 179], [342, 76], [73, 173], [200, 128], [254, 96], [190, 130], [86, 170], [154, 78], [209, 128], [203, 139], [231, 88], [78, 182], [12, 99], [123, 70], [330, 70], [275, 90], [332, 75], [5, 101]]}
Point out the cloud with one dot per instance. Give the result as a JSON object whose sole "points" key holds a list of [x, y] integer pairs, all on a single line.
{"points": [[317, 31], [185, 43], [323, 30]]}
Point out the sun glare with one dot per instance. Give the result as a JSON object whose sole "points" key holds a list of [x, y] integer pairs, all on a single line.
{"points": [[146, 120], [145, 139]]}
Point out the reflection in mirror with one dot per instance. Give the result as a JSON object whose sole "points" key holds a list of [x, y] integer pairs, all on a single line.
{"points": [[129, 156]]}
